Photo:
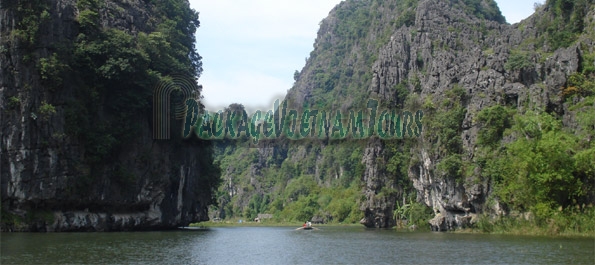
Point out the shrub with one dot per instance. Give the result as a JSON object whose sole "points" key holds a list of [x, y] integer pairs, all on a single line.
{"points": [[46, 110], [518, 60], [494, 120], [50, 69], [13, 102]]}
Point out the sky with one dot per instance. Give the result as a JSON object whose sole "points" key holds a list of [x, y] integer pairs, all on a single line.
{"points": [[250, 49]]}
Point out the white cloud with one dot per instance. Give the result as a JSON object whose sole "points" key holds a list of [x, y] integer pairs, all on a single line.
{"points": [[254, 89], [515, 10], [272, 19]]}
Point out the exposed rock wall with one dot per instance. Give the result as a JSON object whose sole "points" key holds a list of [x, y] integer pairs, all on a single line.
{"points": [[447, 47], [47, 183], [449, 58]]}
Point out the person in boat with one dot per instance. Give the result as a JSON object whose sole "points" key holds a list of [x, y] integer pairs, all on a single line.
{"points": [[305, 224], [309, 224]]}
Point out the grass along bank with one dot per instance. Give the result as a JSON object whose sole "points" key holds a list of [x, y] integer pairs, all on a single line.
{"points": [[569, 222]]}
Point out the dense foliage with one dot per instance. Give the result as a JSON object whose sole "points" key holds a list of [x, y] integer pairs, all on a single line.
{"points": [[567, 23], [291, 190], [485, 9], [548, 170], [119, 70]]}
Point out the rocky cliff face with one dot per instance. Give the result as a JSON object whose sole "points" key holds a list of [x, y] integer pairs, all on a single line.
{"points": [[453, 49], [448, 58], [67, 166], [474, 60], [455, 60]]}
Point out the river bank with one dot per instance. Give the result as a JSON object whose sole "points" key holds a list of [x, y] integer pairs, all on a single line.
{"points": [[558, 225]]}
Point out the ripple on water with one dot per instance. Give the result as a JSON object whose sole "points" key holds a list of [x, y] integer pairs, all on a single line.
{"points": [[284, 245]]}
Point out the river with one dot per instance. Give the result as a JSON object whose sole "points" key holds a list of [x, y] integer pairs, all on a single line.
{"points": [[284, 245]]}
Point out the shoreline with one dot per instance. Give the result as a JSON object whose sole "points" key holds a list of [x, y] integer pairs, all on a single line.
{"points": [[516, 231]]}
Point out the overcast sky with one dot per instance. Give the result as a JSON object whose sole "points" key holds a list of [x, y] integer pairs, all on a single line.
{"points": [[251, 49]]}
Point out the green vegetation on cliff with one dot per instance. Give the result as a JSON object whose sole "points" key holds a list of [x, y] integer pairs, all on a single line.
{"points": [[487, 148], [547, 170], [80, 77], [290, 190], [119, 69]]}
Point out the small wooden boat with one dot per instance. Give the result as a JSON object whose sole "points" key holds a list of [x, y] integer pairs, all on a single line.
{"points": [[306, 228]]}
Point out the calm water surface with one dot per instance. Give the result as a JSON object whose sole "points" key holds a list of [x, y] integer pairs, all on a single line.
{"points": [[284, 245]]}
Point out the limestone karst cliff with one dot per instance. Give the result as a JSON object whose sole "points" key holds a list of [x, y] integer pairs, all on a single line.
{"points": [[77, 148], [482, 84]]}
